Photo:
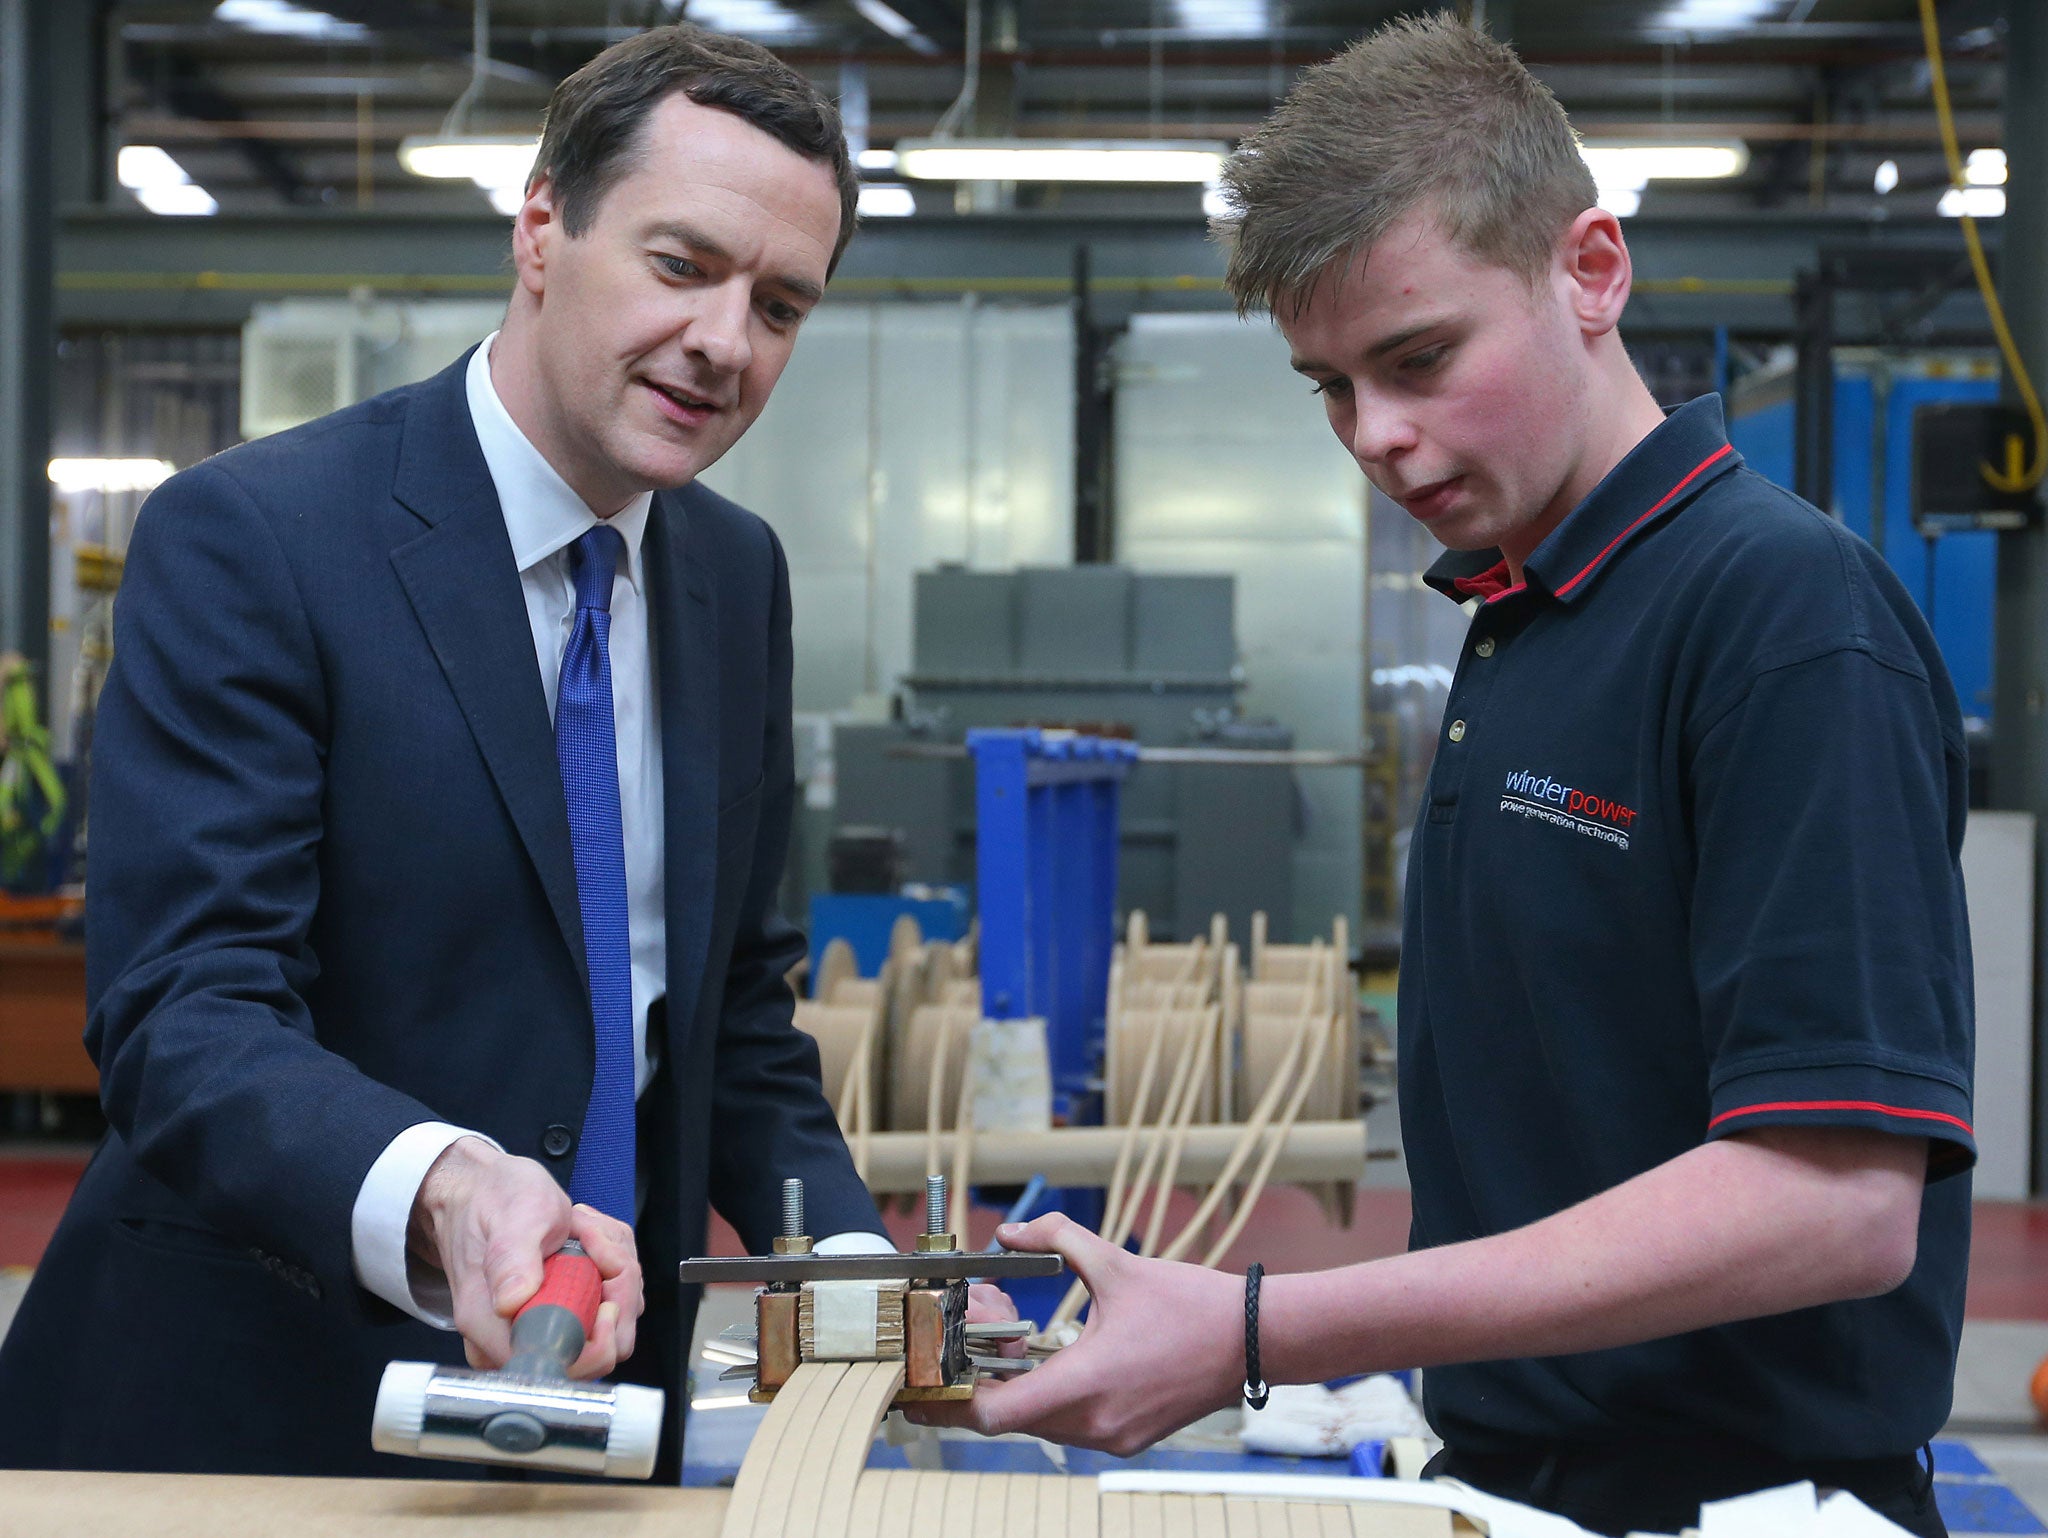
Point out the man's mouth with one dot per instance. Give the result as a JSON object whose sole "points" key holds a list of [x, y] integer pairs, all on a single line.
{"points": [[1425, 501], [693, 407]]}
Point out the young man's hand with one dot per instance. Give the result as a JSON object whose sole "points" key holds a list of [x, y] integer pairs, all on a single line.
{"points": [[488, 1220], [1164, 1345]]}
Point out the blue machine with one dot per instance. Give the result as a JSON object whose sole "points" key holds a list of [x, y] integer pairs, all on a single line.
{"points": [[865, 921], [1952, 578], [1046, 813]]}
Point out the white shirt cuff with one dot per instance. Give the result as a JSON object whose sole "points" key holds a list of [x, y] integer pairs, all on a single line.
{"points": [[854, 1244], [383, 1214]]}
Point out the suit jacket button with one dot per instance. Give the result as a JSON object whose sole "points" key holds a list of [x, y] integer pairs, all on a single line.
{"points": [[556, 1141]]}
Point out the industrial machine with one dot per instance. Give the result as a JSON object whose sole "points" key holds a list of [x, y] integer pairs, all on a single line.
{"points": [[1146, 656]]}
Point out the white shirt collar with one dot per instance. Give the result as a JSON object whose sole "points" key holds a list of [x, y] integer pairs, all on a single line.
{"points": [[542, 514]]}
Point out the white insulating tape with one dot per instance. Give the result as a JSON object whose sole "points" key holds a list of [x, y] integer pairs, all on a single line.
{"points": [[843, 1323]]}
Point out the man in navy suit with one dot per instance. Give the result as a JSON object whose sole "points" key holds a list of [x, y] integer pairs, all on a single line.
{"points": [[441, 790]]}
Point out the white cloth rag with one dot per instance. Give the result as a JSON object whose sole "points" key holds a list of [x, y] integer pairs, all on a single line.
{"points": [[1308, 1420]]}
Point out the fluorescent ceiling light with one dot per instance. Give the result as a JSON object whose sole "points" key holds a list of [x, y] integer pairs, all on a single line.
{"points": [[508, 199], [1716, 14], [1985, 168], [1622, 202], [1632, 165], [1887, 176], [750, 18], [489, 160], [877, 160], [895, 24], [1218, 204], [283, 19], [187, 200], [110, 474], [1060, 160], [1977, 202], [1222, 18], [885, 202], [160, 183], [145, 165]]}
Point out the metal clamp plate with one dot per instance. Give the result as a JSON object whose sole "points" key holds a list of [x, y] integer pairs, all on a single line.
{"points": [[941, 1266]]}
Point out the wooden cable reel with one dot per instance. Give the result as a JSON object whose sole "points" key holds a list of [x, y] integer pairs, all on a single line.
{"points": [[1288, 983]]}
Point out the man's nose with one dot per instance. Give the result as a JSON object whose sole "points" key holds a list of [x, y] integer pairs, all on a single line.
{"points": [[1378, 432], [719, 330]]}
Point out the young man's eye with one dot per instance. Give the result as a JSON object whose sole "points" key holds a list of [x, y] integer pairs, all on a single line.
{"points": [[678, 266], [781, 314], [1423, 362], [1332, 387]]}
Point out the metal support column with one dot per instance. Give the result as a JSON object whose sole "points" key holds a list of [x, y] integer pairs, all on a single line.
{"points": [[1813, 433], [27, 332], [1094, 429], [2019, 760]]}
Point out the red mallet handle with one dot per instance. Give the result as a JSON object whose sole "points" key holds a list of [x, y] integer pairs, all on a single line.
{"points": [[569, 1279], [549, 1333]]}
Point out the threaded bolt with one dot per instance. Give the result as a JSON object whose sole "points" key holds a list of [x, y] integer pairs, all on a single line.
{"points": [[792, 1209], [935, 1204]]}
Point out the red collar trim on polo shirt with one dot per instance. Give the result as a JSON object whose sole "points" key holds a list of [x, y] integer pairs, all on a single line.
{"points": [[1488, 585], [1657, 507]]}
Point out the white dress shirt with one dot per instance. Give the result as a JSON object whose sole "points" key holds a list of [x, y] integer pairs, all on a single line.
{"points": [[544, 517]]}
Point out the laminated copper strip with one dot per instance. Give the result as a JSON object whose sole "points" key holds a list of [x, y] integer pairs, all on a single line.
{"points": [[802, 1470]]}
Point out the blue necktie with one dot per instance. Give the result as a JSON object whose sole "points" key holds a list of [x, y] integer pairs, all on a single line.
{"points": [[586, 744]]}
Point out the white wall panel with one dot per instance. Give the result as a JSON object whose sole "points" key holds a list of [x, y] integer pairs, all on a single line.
{"points": [[1998, 876], [1225, 463], [902, 436]]}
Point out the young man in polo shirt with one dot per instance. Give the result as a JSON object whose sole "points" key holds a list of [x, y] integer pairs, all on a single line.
{"points": [[1685, 1016]]}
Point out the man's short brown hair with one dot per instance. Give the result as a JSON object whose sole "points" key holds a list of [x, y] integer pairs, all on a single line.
{"points": [[593, 122], [1424, 112]]}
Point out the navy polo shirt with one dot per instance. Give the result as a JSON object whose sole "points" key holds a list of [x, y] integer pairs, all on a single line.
{"points": [[1687, 864]]}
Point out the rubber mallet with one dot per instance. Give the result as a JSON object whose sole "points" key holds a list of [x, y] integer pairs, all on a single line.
{"points": [[529, 1413]]}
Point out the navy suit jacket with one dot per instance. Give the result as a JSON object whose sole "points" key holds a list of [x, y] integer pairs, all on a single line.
{"points": [[332, 895]]}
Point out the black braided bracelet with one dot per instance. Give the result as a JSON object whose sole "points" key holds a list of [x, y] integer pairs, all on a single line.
{"points": [[1255, 1391]]}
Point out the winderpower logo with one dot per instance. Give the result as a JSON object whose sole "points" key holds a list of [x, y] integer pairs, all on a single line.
{"points": [[1544, 798]]}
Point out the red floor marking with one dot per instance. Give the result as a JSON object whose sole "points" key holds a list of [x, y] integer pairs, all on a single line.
{"points": [[2008, 1261], [33, 1192]]}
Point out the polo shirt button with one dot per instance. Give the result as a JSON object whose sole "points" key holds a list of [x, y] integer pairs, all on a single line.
{"points": [[557, 1141], [1457, 731], [1485, 647]]}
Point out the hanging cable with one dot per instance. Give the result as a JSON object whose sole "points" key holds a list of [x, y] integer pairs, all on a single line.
{"points": [[2012, 478], [962, 110], [479, 63]]}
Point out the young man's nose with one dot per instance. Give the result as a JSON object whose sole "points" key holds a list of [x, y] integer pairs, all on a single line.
{"points": [[1378, 433]]}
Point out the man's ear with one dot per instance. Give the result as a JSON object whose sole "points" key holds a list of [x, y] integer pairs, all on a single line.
{"points": [[535, 233], [1594, 269]]}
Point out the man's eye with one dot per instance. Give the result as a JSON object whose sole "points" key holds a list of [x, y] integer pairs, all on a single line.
{"points": [[1332, 387], [784, 314], [1423, 362], [677, 267]]}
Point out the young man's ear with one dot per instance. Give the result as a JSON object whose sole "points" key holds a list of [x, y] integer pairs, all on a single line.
{"points": [[534, 233], [1595, 270]]}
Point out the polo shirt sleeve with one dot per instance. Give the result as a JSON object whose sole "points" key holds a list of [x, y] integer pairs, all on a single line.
{"points": [[1830, 941]]}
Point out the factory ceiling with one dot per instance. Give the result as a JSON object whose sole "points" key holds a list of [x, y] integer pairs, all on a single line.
{"points": [[269, 104]]}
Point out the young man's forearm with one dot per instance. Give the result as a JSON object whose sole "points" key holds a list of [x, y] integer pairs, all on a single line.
{"points": [[1765, 1223]]}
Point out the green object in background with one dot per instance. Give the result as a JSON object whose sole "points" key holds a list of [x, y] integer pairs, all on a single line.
{"points": [[28, 780]]}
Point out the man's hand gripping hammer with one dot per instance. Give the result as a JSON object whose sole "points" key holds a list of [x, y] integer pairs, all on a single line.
{"points": [[529, 1412]]}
